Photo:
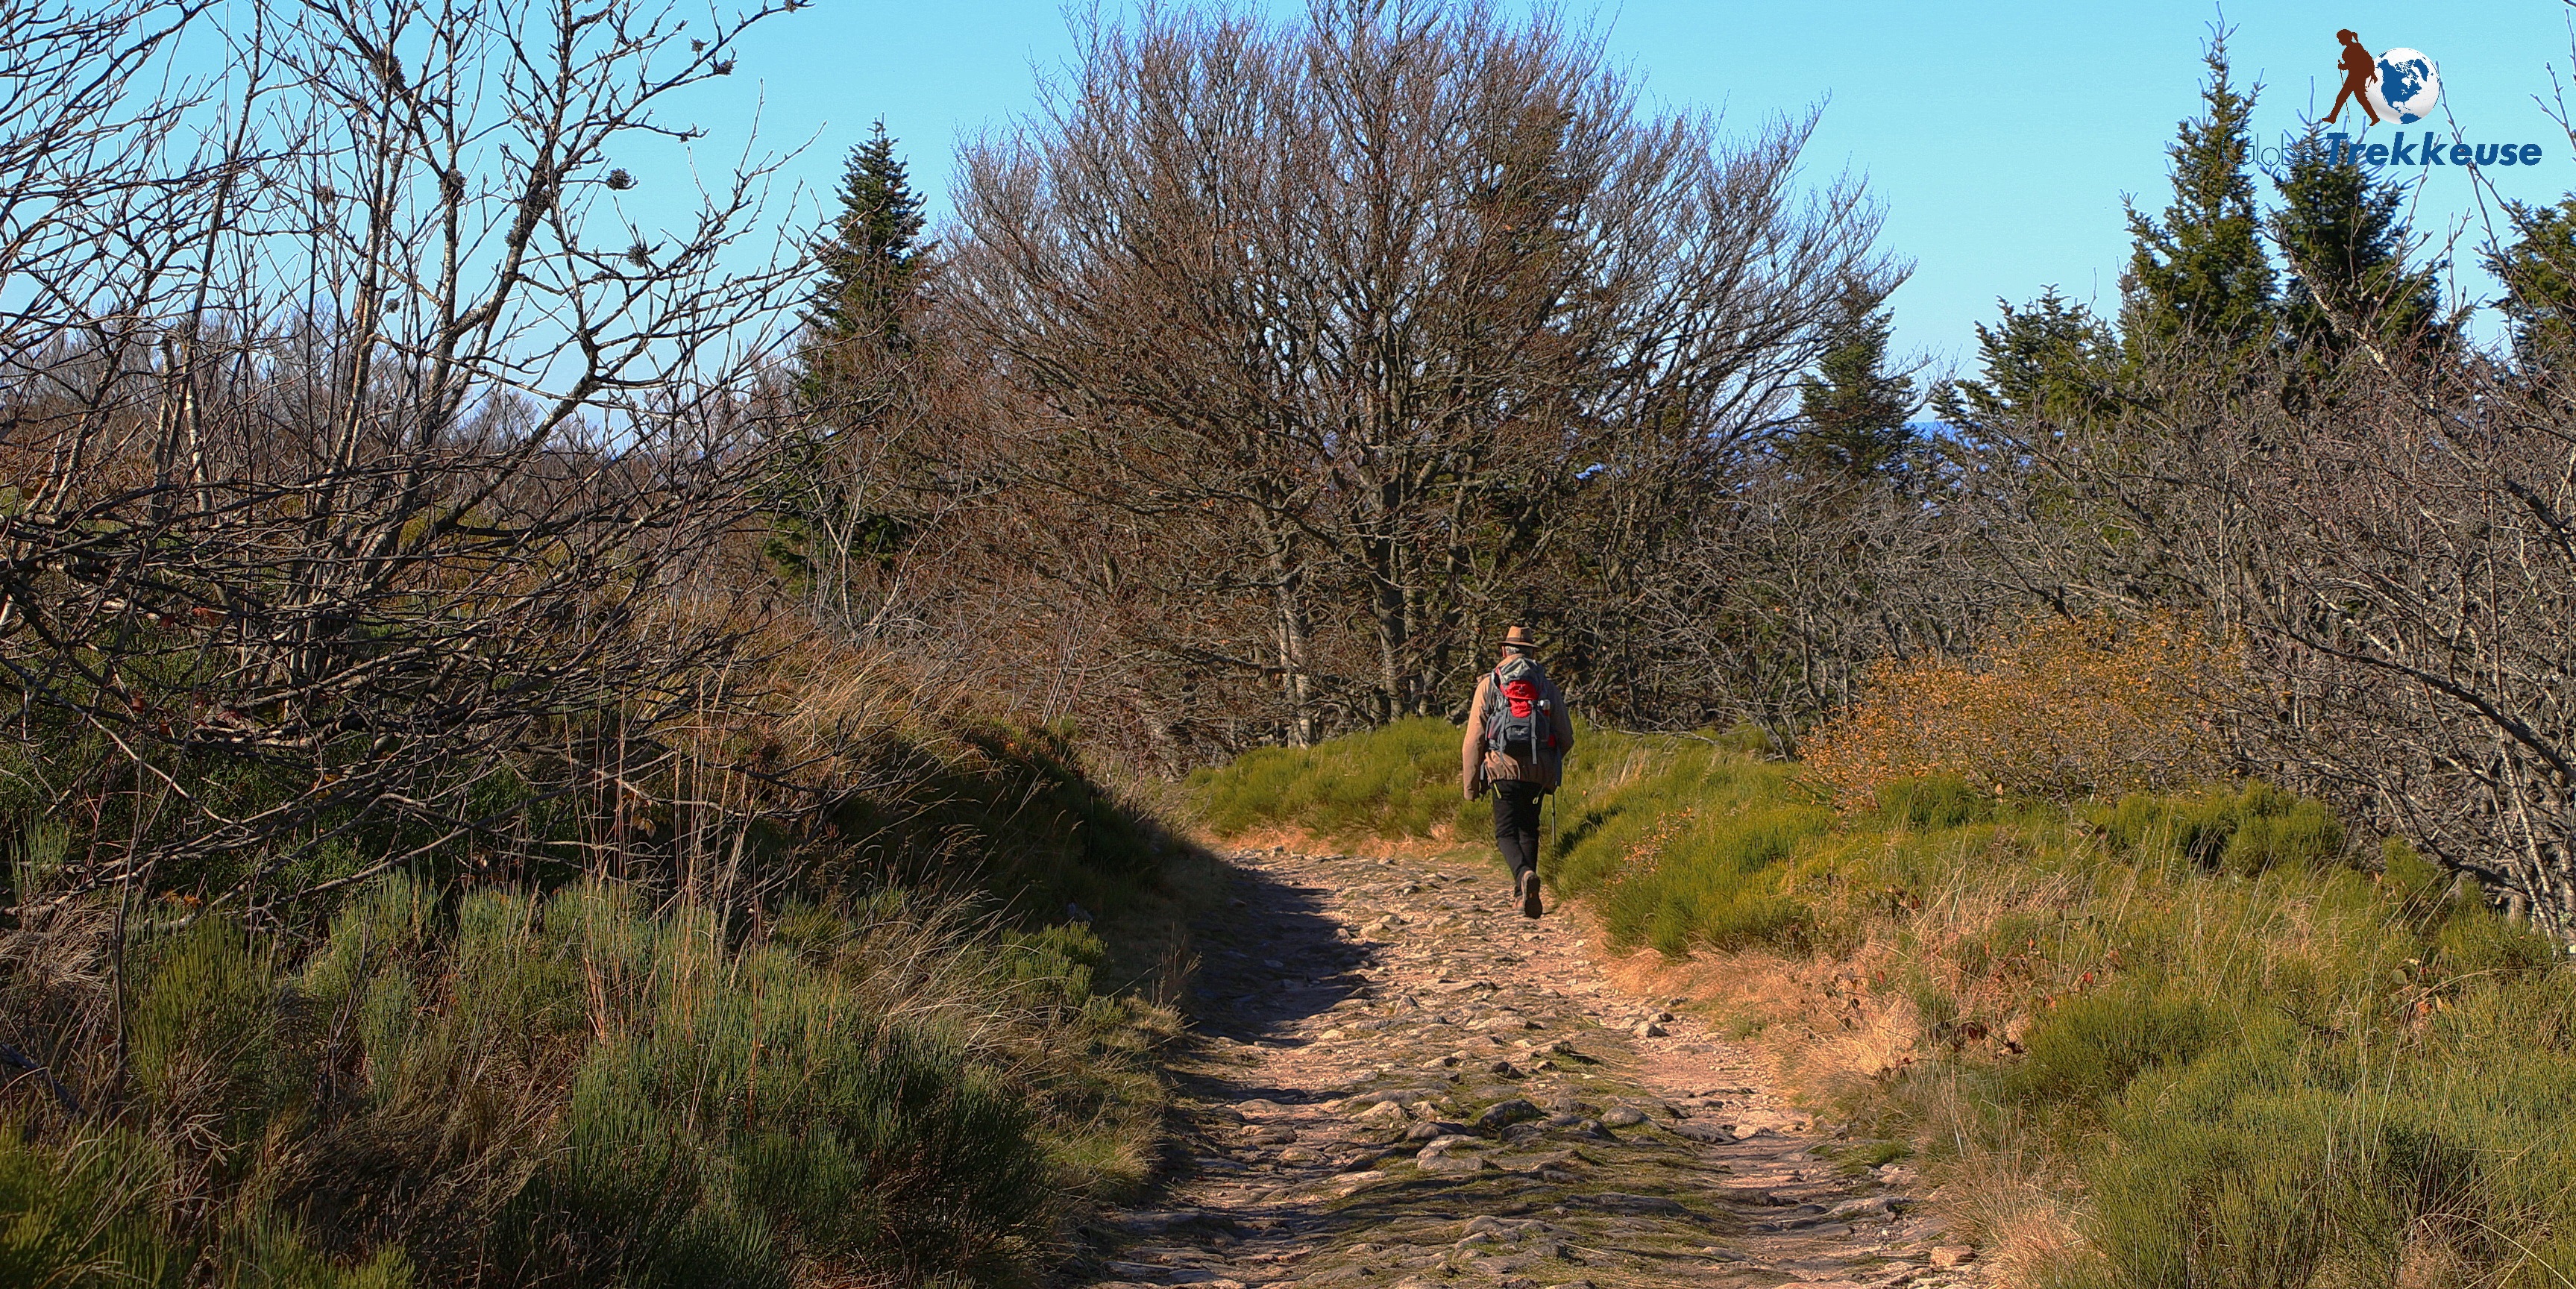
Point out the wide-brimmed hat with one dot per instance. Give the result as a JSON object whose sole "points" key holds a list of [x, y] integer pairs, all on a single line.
{"points": [[1520, 638]]}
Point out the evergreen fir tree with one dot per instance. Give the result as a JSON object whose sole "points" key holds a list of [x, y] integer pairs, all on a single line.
{"points": [[2050, 359], [871, 255], [854, 357], [2345, 242], [2200, 271], [1853, 411], [2538, 271]]}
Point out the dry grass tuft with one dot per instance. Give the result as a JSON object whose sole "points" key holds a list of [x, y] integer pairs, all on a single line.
{"points": [[2019, 1208]]}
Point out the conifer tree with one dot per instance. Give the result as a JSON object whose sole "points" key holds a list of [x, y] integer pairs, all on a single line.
{"points": [[855, 361], [1853, 411], [870, 257], [2200, 271], [2538, 270], [2344, 240], [2051, 359]]}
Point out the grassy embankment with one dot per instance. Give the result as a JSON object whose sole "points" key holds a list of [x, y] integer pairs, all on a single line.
{"points": [[2194, 1038], [885, 1072]]}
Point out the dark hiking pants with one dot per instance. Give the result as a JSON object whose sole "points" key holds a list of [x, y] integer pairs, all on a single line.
{"points": [[1516, 823]]}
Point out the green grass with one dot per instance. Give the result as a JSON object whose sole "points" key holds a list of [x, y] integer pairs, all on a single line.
{"points": [[2263, 1056], [1398, 782], [906, 1066], [575, 1088], [1682, 837]]}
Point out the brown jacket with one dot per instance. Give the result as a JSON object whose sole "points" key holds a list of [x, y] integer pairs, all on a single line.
{"points": [[1478, 767]]}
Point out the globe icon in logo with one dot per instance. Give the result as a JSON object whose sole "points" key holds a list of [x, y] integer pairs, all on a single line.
{"points": [[2409, 86]]}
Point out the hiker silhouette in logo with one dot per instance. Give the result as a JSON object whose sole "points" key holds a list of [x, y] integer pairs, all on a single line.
{"points": [[2359, 70], [1518, 733]]}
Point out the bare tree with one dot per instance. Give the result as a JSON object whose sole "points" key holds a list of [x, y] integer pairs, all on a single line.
{"points": [[2385, 527], [2414, 568], [362, 448], [1326, 338], [1780, 596]]}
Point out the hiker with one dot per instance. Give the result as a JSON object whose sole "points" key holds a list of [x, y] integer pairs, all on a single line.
{"points": [[1518, 735]]}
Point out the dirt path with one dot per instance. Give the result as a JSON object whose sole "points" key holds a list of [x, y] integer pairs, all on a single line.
{"points": [[1402, 1083]]}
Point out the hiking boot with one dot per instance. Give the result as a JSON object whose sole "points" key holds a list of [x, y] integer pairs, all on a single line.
{"points": [[1530, 906]]}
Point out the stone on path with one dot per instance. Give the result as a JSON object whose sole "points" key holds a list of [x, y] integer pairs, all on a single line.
{"points": [[1404, 1083]]}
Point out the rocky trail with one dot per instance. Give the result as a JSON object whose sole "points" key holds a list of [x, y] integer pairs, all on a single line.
{"points": [[1402, 1082]]}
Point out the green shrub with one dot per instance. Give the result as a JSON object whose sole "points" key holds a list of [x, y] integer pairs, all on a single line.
{"points": [[2278, 1168], [2152, 825], [203, 1029], [2419, 888], [2243, 1200], [577, 1088], [636, 1196], [1398, 781], [2281, 830], [273, 1253], [1716, 883], [2474, 940], [1749, 739], [1627, 797], [749, 1111], [1936, 802], [1055, 967], [931, 1158], [2091, 1046], [81, 1217], [87, 1213], [2247, 831]]}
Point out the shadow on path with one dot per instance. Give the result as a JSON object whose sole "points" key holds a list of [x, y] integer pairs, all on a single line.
{"points": [[1270, 957]]}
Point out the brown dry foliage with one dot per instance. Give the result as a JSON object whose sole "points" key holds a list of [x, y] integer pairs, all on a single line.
{"points": [[2060, 707]]}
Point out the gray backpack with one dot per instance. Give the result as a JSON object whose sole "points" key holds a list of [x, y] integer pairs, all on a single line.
{"points": [[1518, 721]]}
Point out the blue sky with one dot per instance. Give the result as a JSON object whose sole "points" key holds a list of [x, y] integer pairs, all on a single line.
{"points": [[2001, 136]]}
